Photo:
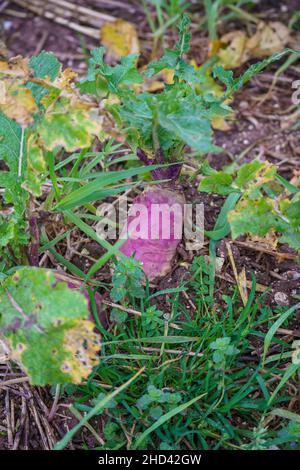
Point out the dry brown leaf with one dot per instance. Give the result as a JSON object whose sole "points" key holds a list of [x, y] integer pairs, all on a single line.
{"points": [[3, 50], [16, 67], [270, 241], [120, 38], [236, 48], [268, 39], [240, 278], [242, 285]]}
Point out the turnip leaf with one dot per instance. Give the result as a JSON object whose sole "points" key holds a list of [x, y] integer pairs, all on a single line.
{"points": [[46, 325]]}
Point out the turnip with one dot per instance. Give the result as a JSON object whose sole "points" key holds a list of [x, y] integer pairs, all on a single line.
{"points": [[156, 250]]}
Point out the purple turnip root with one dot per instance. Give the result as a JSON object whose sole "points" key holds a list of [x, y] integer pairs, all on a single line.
{"points": [[76, 284], [154, 229]]}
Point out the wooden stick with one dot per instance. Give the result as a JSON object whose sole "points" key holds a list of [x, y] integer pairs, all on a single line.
{"points": [[4, 5], [40, 10], [17, 14], [18, 380], [173, 351], [134, 312], [240, 278], [84, 10], [66, 10], [257, 247]]}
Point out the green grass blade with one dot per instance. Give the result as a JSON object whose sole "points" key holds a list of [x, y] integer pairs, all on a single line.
{"points": [[95, 410], [94, 189], [111, 249], [274, 328], [288, 373], [283, 413]]}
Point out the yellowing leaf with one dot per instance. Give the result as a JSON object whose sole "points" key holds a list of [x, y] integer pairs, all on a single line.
{"points": [[213, 47], [83, 345], [46, 326], [157, 82], [72, 125], [235, 52], [240, 278], [120, 38], [36, 166], [17, 102], [220, 123], [65, 78]]}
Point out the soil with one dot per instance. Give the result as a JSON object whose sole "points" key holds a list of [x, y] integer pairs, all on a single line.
{"points": [[260, 128]]}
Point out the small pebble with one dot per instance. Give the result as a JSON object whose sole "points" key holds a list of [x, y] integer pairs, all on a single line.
{"points": [[293, 275], [7, 25], [281, 298], [243, 105]]}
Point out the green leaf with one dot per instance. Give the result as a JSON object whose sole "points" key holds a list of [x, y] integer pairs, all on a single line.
{"points": [[166, 417], [292, 211], [219, 183], [254, 69], [185, 118], [172, 58], [234, 85], [183, 44], [46, 66], [46, 325], [248, 172], [99, 407], [291, 238], [124, 73], [137, 115], [12, 221], [13, 153], [98, 189], [167, 61], [103, 78], [10, 141], [288, 373], [222, 227], [225, 76], [283, 413]]}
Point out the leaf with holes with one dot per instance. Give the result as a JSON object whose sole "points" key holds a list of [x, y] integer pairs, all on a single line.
{"points": [[47, 328]]}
